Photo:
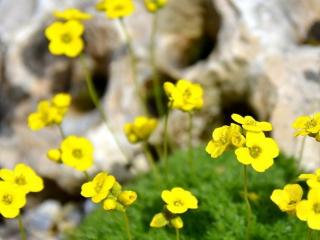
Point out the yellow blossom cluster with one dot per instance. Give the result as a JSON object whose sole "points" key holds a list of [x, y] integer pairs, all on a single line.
{"points": [[65, 37], [49, 112], [154, 5], [177, 201], [104, 187], [308, 126], [184, 95], [251, 145], [140, 129], [290, 200], [14, 186], [75, 152], [116, 8]]}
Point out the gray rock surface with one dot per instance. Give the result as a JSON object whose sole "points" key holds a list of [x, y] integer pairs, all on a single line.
{"points": [[249, 56]]}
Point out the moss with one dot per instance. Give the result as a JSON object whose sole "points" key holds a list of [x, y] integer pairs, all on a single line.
{"points": [[222, 212]]}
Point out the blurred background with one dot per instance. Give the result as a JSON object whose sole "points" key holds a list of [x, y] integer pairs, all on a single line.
{"points": [[252, 57]]}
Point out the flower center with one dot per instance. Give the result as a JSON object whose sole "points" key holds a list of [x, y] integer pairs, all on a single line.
{"points": [[178, 203], [187, 93], [311, 124], [7, 199], [118, 7], [21, 180], [66, 38], [316, 208], [250, 122], [255, 151], [77, 153]]}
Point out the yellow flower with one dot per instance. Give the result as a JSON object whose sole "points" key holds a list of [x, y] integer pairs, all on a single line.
{"points": [[61, 100], [24, 177], [140, 129], [179, 200], [54, 155], [154, 5], [116, 8], [307, 125], [288, 197], [313, 180], [159, 220], [72, 14], [185, 95], [109, 204], [250, 124], [65, 38], [259, 151], [127, 197], [99, 188], [77, 152], [176, 222], [49, 112], [222, 137], [44, 116], [309, 210], [11, 199], [219, 143]]}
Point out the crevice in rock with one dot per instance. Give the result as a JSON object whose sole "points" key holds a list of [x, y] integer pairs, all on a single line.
{"points": [[36, 56], [150, 97], [204, 46], [313, 35], [81, 98]]}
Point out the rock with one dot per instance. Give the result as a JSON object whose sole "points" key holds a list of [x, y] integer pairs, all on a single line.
{"points": [[251, 56]]}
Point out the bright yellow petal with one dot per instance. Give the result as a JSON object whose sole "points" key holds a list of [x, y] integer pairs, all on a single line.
{"points": [[303, 210], [261, 164], [244, 156], [237, 118], [166, 196], [314, 221], [159, 220], [87, 190], [75, 48]]}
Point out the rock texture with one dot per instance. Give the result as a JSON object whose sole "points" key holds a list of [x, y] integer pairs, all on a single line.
{"points": [[252, 56]]}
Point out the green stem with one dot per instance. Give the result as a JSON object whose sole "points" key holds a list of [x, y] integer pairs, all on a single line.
{"points": [[301, 151], [155, 77], [177, 234], [95, 99], [133, 61], [190, 143], [21, 228], [165, 142], [63, 136], [249, 211], [151, 161], [127, 225], [86, 174], [309, 234]]}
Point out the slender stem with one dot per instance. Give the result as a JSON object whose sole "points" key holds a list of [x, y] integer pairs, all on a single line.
{"points": [[309, 234], [303, 143], [127, 225], [246, 198], [21, 228], [95, 99], [151, 161], [63, 136], [155, 77], [133, 61], [86, 174], [190, 143], [165, 142], [177, 234]]}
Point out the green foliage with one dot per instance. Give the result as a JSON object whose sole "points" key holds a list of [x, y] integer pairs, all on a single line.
{"points": [[217, 183]]}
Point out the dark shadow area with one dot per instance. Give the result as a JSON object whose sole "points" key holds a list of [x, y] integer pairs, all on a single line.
{"points": [[150, 96], [313, 35], [36, 55]]}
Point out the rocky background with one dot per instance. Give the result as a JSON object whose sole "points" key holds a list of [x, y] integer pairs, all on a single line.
{"points": [[252, 57]]}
